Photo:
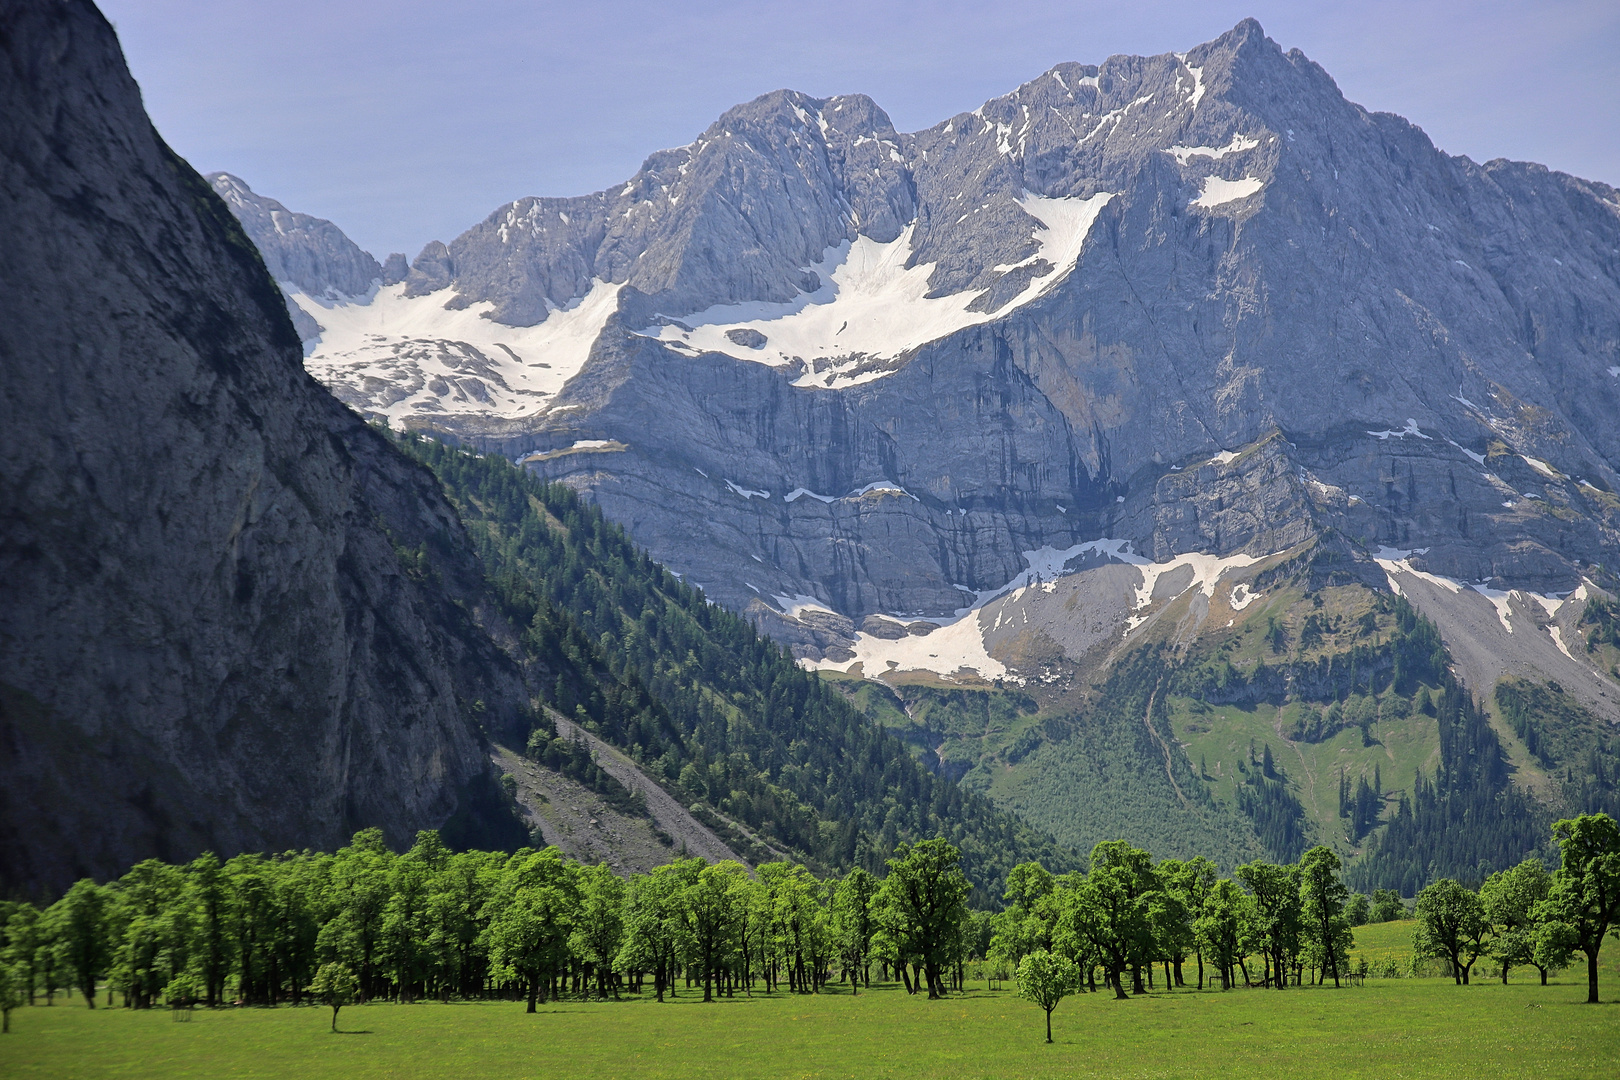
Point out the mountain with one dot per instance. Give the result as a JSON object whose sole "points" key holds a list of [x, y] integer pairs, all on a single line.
{"points": [[236, 617], [1183, 357], [306, 254]]}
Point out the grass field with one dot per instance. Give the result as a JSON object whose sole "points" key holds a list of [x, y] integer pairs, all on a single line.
{"points": [[1382, 943], [1389, 1028]]}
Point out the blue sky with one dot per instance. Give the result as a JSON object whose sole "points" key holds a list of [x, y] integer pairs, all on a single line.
{"points": [[410, 120]]}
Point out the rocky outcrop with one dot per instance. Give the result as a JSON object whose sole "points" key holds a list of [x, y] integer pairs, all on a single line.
{"points": [[235, 617]]}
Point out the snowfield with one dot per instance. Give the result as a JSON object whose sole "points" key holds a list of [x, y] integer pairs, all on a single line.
{"points": [[873, 306]]}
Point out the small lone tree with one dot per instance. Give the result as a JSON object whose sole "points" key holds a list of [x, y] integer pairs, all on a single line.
{"points": [[335, 985], [1046, 980], [181, 994]]}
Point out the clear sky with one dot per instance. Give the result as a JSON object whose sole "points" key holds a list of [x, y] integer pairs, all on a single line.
{"points": [[409, 120]]}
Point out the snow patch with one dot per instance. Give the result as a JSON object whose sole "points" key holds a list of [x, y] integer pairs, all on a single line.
{"points": [[1241, 597], [959, 642], [1219, 192], [798, 493], [1477, 459], [956, 645], [797, 605], [1499, 599], [1541, 467], [1239, 143], [429, 360], [872, 307], [1411, 428], [1395, 560], [1198, 80], [747, 493]]}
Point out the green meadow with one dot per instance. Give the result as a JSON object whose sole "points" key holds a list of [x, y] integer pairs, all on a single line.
{"points": [[1387, 1028]]}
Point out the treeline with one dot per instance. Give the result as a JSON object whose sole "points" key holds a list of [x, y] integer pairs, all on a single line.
{"points": [[1466, 821], [715, 712], [1411, 655], [1574, 746], [533, 925]]}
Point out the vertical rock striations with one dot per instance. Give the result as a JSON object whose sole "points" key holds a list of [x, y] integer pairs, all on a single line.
{"points": [[234, 617]]}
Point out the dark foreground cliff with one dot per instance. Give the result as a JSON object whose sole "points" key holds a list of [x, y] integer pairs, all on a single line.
{"points": [[234, 617]]}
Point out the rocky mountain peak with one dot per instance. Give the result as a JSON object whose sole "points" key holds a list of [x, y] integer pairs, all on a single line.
{"points": [[1197, 301], [309, 253]]}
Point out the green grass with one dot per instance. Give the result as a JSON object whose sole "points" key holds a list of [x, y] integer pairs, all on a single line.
{"points": [[1219, 736], [1389, 1028]]}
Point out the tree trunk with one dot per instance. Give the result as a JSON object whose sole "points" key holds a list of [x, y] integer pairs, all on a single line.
{"points": [[1048, 1024], [534, 990], [1591, 976], [1504, 972], [335, 1012], [1200, 969], [1118, 978]]}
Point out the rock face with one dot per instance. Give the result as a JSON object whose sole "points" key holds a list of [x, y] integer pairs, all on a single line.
{"points": [[307, 254], [1198, 302], [235, 617]]}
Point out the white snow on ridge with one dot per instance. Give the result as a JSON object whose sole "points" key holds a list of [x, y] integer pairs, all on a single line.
{"points": [[1396, 561], [1541, 467], [1615, 371], [1198, 80], [1239, 143], [1411, 428], [435, 361], [959, 643], [872, 307], [747, 493], [1219, 192], [797, 493]]}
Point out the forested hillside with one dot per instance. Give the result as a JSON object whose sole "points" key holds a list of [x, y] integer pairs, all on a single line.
{"points": [[1325, 713], [719, 715]]}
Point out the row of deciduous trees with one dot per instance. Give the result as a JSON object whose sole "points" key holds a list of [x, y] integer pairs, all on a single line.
{"points": [[432, 923], [435, 923], [1526, 915]]}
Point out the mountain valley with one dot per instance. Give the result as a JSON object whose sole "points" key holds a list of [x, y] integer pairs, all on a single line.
{"points": [[1169, 449]]}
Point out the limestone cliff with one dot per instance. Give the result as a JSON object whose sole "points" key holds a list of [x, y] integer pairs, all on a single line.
{"points": [[234, 616]]}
